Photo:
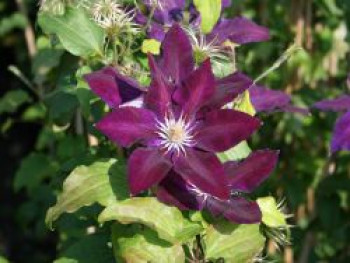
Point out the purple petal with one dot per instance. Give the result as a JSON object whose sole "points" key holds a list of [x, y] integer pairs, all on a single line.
{"points": [[236, 209], [128, 125], [197, 89], [166, 12], [174, 190], [203, 170], [158, 97], [146, 167], [264, 99], [268, 100], [223, 129], [105, 87], [129, 89], [239, 30], [228, 88], [177, 58], [155, 30], [245, 176], [341, 103], [225, 3], [341, 134]]}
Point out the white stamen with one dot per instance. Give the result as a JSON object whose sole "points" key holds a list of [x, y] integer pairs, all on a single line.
{"points": [[175, 134]]}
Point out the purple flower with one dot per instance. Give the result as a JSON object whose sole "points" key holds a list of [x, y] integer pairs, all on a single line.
{"points": [[243, 177], [173, 131], [113, 88], [239, 30], [341, 132], [268, 100]]}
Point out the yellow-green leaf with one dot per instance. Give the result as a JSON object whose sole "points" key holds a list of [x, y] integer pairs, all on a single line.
{"points": [[102, 182], [143, 246], [271, 215], [167, 221], [151, 46], [244, 104], [210, 11], [233, 243]]}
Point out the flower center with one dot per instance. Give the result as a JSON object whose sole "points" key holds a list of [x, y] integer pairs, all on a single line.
{"points": [[175, 134]]}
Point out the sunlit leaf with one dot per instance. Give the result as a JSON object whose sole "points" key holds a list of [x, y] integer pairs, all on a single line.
{"points": [[102, 182], [151, 46], [244, 104], [233, 243], [210, 12], [143, 245], [76, 31], [272, 216], [167, 221], [236, 153]]}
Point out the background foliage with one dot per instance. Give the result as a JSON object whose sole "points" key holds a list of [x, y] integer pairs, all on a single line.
{"points": [[39, 100]]}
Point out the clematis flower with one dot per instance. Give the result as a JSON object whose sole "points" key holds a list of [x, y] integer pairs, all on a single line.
{"points": [[268, 100], [175, 130], [341, 132], [114, 88], [239, 30], [243, 177]]}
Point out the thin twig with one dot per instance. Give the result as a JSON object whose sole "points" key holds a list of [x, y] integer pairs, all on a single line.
{"points": [[28, 31]]}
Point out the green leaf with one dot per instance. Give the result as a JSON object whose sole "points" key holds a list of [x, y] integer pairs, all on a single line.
{"points": [[151, 46], [244, 104], [33, 170], [76, 31], [13, 100], [66, 260], [236, 153], [167, 221], [233, 243], [3, 260], [143, 246], [102, 182], [89, 249], [272, 216], [210, 12], [15, 20]]}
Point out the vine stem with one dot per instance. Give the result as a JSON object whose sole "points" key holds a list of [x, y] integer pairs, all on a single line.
{"points": [[28, 31]]}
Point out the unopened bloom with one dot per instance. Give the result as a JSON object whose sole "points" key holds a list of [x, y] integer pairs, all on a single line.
{"points": [[181, 126], [243, 177]]}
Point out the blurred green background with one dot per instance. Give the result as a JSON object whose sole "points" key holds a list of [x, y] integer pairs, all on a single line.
{"points": [[36, 147]]}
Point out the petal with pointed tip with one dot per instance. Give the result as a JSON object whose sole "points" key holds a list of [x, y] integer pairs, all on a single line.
{"points": [[265, 99], [129, 89], [341, 134], [237, 210], [105, 87], [223, 129], [146, 167], [158, 97], [197, 89], [204, 171], [239, 30], [245, 176], [173, 190], [228, 88], [128, 125], [341, 103], [177, 57]]}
